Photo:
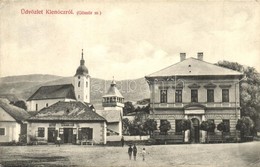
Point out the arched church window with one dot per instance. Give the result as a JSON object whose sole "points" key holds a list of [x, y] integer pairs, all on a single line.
{"points": [[86, 84], [79, 84], [78, 77]]}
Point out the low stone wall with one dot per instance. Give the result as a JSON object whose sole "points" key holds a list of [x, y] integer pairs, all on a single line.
{"points": [[128, 138]]}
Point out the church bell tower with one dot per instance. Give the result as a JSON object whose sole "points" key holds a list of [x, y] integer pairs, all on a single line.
{"points": [[82, 82]]}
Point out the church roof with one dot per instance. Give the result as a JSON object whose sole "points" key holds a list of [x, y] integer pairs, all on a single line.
{"points": [[82, 69], [67, 111], [113, 91], [54, 92], [17, 113], [194, 67]]}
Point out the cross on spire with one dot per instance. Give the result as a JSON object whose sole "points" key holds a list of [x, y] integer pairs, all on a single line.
{"points": [[82, 61]]}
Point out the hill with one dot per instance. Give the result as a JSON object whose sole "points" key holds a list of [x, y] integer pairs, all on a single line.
{"points": [[24, 86]]}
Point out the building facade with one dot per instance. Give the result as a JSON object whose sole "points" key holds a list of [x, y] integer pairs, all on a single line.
{"points": [[73, 122], [12, 122], [196, 90]]}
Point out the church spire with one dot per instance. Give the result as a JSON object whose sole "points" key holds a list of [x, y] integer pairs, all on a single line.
{"points": [[113, 83], [82, 61]]}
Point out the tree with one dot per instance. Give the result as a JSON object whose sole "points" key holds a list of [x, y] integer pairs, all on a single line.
{"points": [[20, 104], [249, 90], [126, 125], [184, 124], [208, 126], [245, 125], [128, 108], [223, 127], [165, 127], [150, 125]]}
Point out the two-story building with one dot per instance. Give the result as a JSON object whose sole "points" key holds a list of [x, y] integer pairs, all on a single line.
{"points": [[196, 90]]}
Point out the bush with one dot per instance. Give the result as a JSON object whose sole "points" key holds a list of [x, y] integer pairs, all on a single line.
{"points": [[165, 127]]}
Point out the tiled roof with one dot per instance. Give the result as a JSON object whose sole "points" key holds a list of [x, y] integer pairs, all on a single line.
{"points": [[17, 113], [54, 92], [110, 115], [67, 111], [113, 91], [191, 67]]}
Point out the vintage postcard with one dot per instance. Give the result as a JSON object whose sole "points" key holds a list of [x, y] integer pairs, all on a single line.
{"points": [[130, 83]]}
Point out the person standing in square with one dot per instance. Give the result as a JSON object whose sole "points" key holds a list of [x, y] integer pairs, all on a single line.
{"points": [[122, 141], [143, 154], [130, 150], [134, 152]]}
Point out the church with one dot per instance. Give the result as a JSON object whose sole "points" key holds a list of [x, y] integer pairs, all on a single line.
{"points": [[66, 111]]}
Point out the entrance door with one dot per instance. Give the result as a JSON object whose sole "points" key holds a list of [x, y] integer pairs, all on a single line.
{"points": [[196, 130], [51, 135], [68, 134]]}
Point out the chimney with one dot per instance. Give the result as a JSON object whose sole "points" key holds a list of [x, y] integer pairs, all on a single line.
{"points": [[200, 55], [183, 56]]}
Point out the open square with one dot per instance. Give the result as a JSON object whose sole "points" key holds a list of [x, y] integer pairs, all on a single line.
{"points": [[210, 155]]}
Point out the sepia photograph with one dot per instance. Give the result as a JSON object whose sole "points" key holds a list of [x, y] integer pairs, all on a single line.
{"points": [[130, 83]]}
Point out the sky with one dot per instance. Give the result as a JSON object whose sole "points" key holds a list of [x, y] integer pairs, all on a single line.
{"points": [[126, 40]]}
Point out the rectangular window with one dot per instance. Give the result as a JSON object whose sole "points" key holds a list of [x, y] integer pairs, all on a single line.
{"points": [[227, 123], [225, 95], [178, 96], [36, 107], [210, 95], [177, 126], [163, 96], [2, 131], [194, 95], [41, 132]]}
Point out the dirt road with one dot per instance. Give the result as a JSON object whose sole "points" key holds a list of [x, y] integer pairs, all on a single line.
{"points": [[208, 155]]}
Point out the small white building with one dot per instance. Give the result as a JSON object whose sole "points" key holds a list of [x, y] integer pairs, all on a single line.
{"points": [[11, 122], [73, 122]]}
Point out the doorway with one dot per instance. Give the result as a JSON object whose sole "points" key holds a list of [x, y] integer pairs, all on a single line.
{"points": [[52, 135], [195, 130], [69, 135]]}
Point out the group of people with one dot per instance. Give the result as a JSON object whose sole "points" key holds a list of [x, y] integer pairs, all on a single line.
{"points": [[134, 152]]}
